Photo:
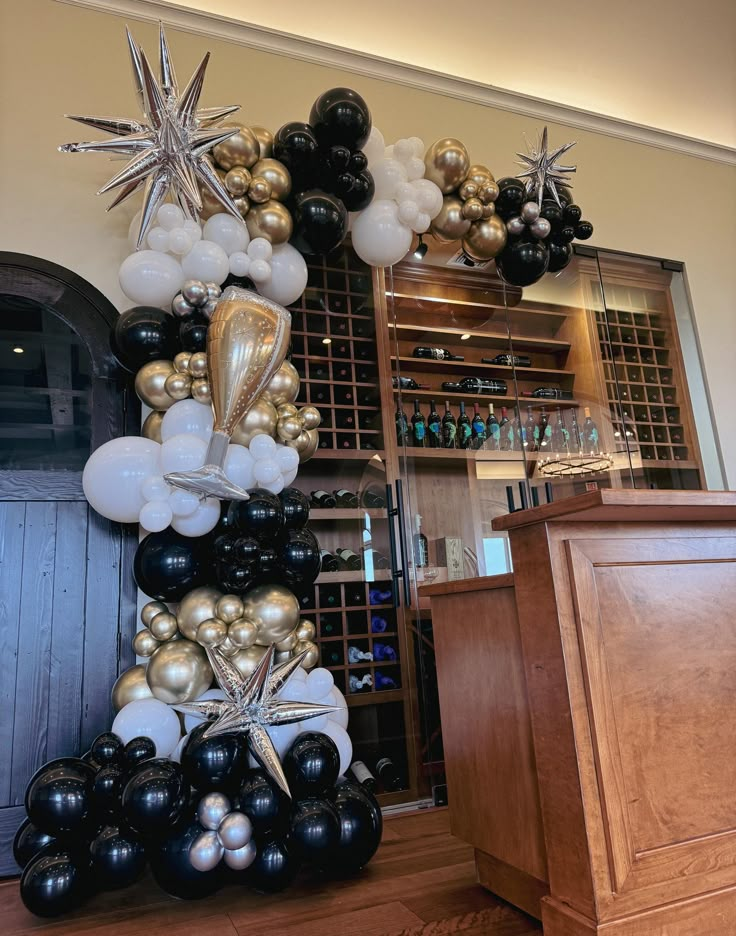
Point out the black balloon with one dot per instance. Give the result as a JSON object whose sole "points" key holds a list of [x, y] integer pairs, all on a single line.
{"points": [[246, 549], [118, 858], [217, 763], [107, 788], [564, 235], [300, 557], [138, 750], [315, 831], [107, 748], [572, 214], [55, 881], [340, 116], [523, 262], [559, 256], [275, 866], [361, 192], [173, 870], [361, 826], [296, 508], [320, 222], [155, 797], [296, 146], [583, 230], [235, 579], [143, 334], [167, 565], [312, 764], [193, 332], [59, 796], [551, 212], [28, 842], [511, 196], [261, 516], [90, 759], [263, 803]]}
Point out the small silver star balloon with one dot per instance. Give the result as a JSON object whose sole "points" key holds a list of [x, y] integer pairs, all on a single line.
{"points": [[168, 148], [542, 173], [250, 706]]}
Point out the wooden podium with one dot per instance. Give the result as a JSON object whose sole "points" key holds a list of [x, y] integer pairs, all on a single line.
{"points": [[589, 714]]}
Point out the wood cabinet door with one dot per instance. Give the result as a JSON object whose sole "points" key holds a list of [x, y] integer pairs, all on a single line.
{"points": [[67, 598]]}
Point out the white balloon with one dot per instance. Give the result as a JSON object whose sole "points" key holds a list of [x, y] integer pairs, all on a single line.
{"points": [[374, 146], [276, 486], [343, 742], [408, 211], [421, 222], [387, 175], [239, 263], [239, 465], [112, 477], [176, 753], [191, 721], [418, 145], [189, 417], [262, 446], [405, 191], [298, 676], [203, 520], [379, 237], [428, 196], [183, 503], [154, 488], [227, 232], [403, 150], [183, 452], [289, 476], [288, 276], [148, 277], [266, 470], [260, 249], [193, 229], [260, 271], [319, 683], [335, 697], [133, 229], [155, 516], [287, 457], [414, 168], [148, 718], [282, 736], [158, 239], [180, 242], [206, 261], [388, 153], [170, 216]]}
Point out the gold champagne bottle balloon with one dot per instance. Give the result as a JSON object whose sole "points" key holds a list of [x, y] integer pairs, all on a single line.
{"points": [[247, 340]]}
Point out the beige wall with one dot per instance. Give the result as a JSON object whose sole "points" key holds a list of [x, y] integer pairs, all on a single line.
{"points": [[56, 58]]}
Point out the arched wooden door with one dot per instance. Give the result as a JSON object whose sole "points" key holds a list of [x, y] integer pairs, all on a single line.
{"points": [[67, 598]]}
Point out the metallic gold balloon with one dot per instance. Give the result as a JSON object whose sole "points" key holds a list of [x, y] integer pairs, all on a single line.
{"points": [[150, 384], [446, 164], [312, 657], [242, 633], [179, 671], [281, 656], [178, 386], [486, 239], [237, 181], [288, 428], [274, 610], [450, 225], [287, 409], [479, 174], [151, 428], [164, 626], [283, 387], [488, 211], [229, 608], [144, 643], [265, 139], [241, 149], [210, 204], [277, 176], [181, 361], [211, 632], [260, 419], [130, 686], [259, 190], [288, 643], [473, 209], [227, 647], [306, 631], [150, 610], [196, 606], [488, 192], [271, 220], [247, 660], [306, 444], [242, 203], [310, 417], [201, 390], [468, 189], [198, 364]]}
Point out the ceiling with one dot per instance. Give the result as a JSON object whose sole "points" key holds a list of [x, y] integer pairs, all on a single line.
{"points": [[666, 64]]}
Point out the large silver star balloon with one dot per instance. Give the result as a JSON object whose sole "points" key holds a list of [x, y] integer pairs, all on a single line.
{"points": [[542, 173], [250, 706], [169, 147]]}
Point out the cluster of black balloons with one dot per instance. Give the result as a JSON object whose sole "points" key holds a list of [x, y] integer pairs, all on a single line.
{"points": [[526, 258], [329, 171], [146, 333], [95, 822]]}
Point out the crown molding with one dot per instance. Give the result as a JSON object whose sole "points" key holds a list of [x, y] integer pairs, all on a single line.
{"points": [[412, 76]]}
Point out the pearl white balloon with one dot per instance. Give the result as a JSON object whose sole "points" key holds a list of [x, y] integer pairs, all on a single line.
{"points": [[319, 682], [262, 446], [212, 809], [241, 858], [158, 239], [226, 231], [239, 466], [180, 242], [205, 851], [206, 261], [387, 175], [112, 477], [183, 452], [282, 736], [289, 476], [239, 263], [403, 150], [374, 147], [288, 458], [296, 689], [428, 196], [344, 745], [155, 516], [188, 417], [203, 520], [235, 831], [288, 276], [193, 229], [266, 470], [176, 753], [335, 697], [408, 211], [183, 503], [154, 488], [415, 168], [260, 249], [276, 486], [191, 721], [260, 271], [170, 216], [379, 237], [148, 277], [421, 223], [418, 145], [148, 718]]}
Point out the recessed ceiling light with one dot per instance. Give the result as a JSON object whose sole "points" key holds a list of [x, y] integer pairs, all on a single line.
{"points": [[18, 350], [464, 337], [327, 341]]}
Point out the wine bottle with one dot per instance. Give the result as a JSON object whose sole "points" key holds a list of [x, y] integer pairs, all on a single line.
{"points": [[384, 682], [476, 385], [508, 360], [436, 354], [373, 501], [478, 428], [505, 432], [363, 776], [357, 684], [329, 562], [421, 547], [379, 596], [576, 440], [402, 427], [407, 383], [346, 498], [351, 559], [560, 435], [331, 657], [545, 431], [590, 434], [434, 427], [464, 429], [356, 655], [449, 428], [383, 651], [548, 393], [531, 440], [418, 427], [378, 624], [323, 499], [388, 774], [375, 558], [493, 431]]}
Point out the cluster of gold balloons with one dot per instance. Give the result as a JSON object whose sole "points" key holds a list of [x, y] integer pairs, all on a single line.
{"points": [[160, 384], [467, 212]]}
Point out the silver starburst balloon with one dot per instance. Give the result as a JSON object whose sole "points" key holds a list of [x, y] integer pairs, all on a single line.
{"points": [[169, 147], [542, 173], [251, 706]]}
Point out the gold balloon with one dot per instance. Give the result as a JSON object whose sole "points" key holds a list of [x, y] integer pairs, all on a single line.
{"points": [[210, 204], [130, 686], [229, 608], [488, 192], [289, 642], [305, 443], [144, 643], [271, 220], [446, 164], [247, 660], [287, 409], [277, 176], [164, 626], [306, 631], [150, 384], [201, 390], [211, 632], [198, 364], [150, 610], [181, 361], [242, 633], [281, 656], [450, 225], [151, 428], [312, 657], [265, 139], [473, 209], [196, 606], [288, 428], [260, 419], [468, 189], [242, 203], [241, 149], [178, 386], [179, 671], [259, 190], [310, 417], [237, 181], [486, 239], [488, 211], [227, 647], [479, 174], [274, 610], [283, 387]]}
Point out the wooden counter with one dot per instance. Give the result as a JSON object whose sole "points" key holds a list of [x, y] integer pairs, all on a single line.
{"points": [[600, 678]]}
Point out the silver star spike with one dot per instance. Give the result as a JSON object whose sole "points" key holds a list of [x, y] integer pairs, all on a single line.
{"points": [[543, 174]]}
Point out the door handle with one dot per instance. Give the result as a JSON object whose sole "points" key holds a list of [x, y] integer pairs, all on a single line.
{"points": [[396, 573], [402, 540]]}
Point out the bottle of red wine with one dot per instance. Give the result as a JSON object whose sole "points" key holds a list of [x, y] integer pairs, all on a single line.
{"points": [[464, 429], [418, 427], [373, 500], [437, 354], [476, 385], [434, 428], [590, 434], [545, 432], [478, 429], [388, 774], [449, 428], [560, 435], [531, 440], [548, 393], [376, 558], [402, 427], [351, 559], [329, 562], [576, 439], [363, 776], [493, 431], [323, 499], [407, 383], [421, 547], [345, 498], [508, 360]]}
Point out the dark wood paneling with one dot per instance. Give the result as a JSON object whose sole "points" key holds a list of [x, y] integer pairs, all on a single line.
{"points": [[41, 485], [12, 519], [10, 820]]}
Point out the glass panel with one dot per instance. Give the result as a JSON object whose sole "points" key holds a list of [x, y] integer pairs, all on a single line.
{"points": [[45, 387]]}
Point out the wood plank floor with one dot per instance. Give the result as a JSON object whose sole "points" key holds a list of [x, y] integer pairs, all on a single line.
{"points": [[420, 883]]}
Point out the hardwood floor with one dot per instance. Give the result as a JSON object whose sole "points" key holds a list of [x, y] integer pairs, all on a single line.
{"points": [[421, 883]]}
